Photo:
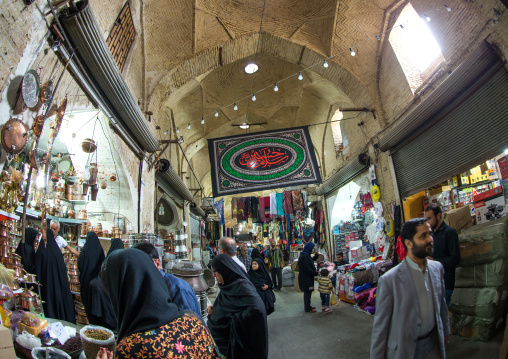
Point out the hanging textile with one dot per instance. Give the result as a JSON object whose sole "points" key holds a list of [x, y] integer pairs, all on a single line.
{"points": [[219, 207], [273, 205], [297, 200], [287, 202], [255, 210], [247, 208], [280, 203], [264, 209], [240, 210], [234, 213]]}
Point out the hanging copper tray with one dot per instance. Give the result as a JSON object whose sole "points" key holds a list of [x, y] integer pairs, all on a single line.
{"points": [[37, 125], [14, 136]]}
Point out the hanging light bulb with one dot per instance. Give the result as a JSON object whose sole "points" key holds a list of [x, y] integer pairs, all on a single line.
{"points": [[300, 77], [352, 52], [427, 17], [166, 132], [178, 130], [202, 120], [276, 88], [217, 113], [448, 8], [378, 38], [325, 64], [254, 97], [188, 126], [235, 107], [402, 26]]}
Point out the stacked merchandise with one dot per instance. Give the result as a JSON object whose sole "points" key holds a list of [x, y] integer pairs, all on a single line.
{"points": [[478, 303]]}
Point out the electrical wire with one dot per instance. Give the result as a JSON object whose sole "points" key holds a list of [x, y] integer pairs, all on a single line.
{"points": [[192, 169]]}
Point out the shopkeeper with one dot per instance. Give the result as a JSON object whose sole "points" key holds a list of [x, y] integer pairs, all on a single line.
{"points": [[62, 243]]}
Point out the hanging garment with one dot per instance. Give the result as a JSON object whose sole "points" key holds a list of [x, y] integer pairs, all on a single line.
{"points": [[255, 210], [234, 212], [248, 207], [280, 203], [264, 209], [240, 209], [273, 205], [287, 202], [297, 200]]}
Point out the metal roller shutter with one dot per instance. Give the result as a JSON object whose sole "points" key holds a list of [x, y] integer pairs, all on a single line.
{"points": [[344, 175], [472, 129]]}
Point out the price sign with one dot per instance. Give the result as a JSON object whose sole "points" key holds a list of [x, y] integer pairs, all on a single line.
{"points": [[57, 331]]}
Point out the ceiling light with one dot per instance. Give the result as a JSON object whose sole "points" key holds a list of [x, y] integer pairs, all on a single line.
{"points": [[402, 26], [427, 17], [166, 132], [352, 52], [251, 68], [188, 126], [300, 77], [378, 38], [217, 113], [253, 97], [448, 8], [325, 64], [235, 107], [276, 88], [178, 130], [202, 120], [244, 126]]}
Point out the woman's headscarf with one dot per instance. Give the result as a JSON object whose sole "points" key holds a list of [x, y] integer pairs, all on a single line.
{"points": [[89, 265], [27, 251], [307, 249], [256, 254], [116, 243], [138, 293], [238, 321], [260, 276], [52, 275], [102, 312]]}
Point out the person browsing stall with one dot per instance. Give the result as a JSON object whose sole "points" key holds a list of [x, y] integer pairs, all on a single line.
{"points": [[62, 243], [26, 250], [306, 275], [181, 292], [411, 319], [446, 246]]}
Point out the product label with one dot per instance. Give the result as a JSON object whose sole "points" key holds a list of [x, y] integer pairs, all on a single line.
{"points": [[57, 331]]}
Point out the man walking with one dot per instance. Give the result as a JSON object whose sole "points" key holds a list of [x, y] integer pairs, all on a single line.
{"points": [[446, 246], [275, 257], [245, 258], [228, 246], [411, 318]]}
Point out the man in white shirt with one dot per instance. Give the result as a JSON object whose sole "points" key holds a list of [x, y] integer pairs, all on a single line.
{"points": [[62, 243], [228, 246]]}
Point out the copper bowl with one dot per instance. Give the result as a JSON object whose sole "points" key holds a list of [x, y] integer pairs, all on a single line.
{"points": [[72, 265], [11, 260]]}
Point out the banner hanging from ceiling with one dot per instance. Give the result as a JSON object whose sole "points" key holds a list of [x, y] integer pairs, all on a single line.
{"points": [[263, 160]]}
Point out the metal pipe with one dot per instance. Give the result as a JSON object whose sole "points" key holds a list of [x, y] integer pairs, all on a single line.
{"points": [[139, 193]]}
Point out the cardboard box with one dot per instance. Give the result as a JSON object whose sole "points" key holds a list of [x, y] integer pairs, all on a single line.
{"points": [[6, 344], [472, 179], [489, 211], [459, 218], [455, 182]]}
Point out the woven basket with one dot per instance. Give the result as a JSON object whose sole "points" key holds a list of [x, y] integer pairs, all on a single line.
{"points": [[92, 346]]}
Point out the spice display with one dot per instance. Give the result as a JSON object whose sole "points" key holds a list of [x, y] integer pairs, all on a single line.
{"points": [[97, 334], [71, 345]]}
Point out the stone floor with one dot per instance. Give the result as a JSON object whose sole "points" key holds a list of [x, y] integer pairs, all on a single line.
{"points": [[344, 333]]}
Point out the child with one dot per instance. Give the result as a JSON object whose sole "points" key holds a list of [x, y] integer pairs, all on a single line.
{"points": [[325, 288]]}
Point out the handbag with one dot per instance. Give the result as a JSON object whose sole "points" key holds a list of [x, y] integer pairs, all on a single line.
{"points": [[333, 300]]}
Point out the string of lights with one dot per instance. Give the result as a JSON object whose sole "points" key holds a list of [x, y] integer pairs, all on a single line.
{"points": [[399, 26]]}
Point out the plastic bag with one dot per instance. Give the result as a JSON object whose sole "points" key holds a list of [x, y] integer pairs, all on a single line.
{"points": [[31, 320], [333, 300], [6, 276]]}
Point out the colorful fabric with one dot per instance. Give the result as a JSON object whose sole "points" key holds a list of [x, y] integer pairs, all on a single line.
{"points": [[275, 256], [184, 337], [219, 206], [280, 203], [264, 209], [273, 205], [264, 160], [288, 202], [297, 200]]}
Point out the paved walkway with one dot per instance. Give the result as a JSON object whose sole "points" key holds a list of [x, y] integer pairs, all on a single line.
{"points": [[344, 333]]}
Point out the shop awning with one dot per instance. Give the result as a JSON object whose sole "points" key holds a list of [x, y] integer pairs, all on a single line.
{"points": [[344, 175], [172, 184], [91, 48]]}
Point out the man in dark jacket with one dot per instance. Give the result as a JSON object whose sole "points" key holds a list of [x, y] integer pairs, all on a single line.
{"points": [[446, 246]]}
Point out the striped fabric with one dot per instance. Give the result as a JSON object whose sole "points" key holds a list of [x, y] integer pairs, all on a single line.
{"points": [[325, 285]]}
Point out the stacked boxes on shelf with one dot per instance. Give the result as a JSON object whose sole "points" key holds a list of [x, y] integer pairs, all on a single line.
{"points": [[479, 300]]}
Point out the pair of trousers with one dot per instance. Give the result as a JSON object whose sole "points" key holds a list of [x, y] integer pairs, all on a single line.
{"points": [[325, 299], [449, 293], [306, 301], [428, 348], [277, 278]]}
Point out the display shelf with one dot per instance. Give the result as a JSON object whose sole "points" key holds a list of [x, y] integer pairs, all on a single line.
{"points": [[104, 238], [5, 216], [15, 234], [482, 183], [36, 214], [75, 201]]}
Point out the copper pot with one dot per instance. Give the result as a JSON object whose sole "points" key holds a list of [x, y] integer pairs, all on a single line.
{"points": [[74, 279], [5, 231], [72, 272], [11, 260], [4, 250], [72, 265], [18, 269], [75, 287], [37, 125]]}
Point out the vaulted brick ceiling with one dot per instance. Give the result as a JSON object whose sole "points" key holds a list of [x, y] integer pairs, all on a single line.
{"points": [[196, 52]]}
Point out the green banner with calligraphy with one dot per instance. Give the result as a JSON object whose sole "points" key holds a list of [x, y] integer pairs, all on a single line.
{"points": [[262, 160]]}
